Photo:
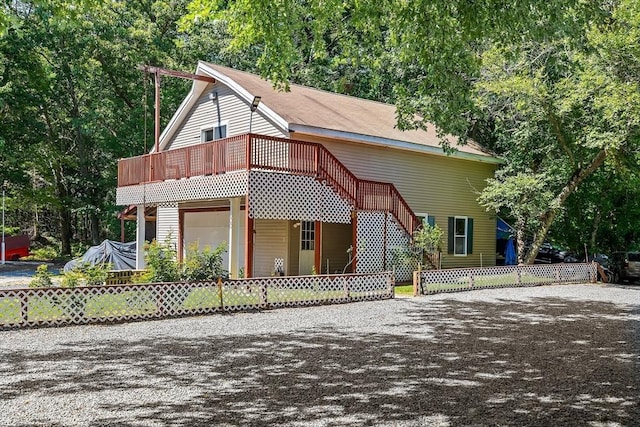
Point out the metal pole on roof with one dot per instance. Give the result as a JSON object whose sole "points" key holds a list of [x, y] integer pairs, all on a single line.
{"points": [[157, 115], [3, 245]]}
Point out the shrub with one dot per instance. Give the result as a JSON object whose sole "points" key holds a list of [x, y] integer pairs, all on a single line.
{"points": [[46, 253], [205, 264], [42, 278], [427, 240], [162, 264], [86, 275]]}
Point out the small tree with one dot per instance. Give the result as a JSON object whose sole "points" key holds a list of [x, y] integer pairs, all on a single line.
{"points": [[424, 245]]}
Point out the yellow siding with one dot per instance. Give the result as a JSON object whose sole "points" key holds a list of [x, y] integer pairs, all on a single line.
{"points": [[336, 239], [441, 186]]}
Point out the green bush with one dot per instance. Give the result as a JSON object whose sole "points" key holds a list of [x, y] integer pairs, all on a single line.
{"points": [[42, 278], [86, 275], [205, 264], [427, 240], [46, 253], [163, 266]]}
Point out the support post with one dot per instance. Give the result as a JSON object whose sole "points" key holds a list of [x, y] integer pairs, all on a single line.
{"points": [[234, 237], [140, 236], [354, 240], [317, 247], [248, 242]]}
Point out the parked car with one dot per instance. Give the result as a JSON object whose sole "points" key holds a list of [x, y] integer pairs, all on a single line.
{"points": [[548, 254], [626, 265]]}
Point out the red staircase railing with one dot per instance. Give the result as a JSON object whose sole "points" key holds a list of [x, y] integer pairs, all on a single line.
{"points": [[260, 152]]}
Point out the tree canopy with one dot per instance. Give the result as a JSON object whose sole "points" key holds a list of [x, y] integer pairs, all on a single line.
{"points": [[551, 87]]}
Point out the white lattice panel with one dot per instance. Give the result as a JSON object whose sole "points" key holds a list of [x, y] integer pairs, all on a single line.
{"points": [[233, 184], [398, 238], [461, 279], [96, 304], [274, 195], [370, 242]]}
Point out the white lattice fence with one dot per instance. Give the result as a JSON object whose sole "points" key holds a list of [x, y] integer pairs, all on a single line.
{"points": [[462, 279], [98, 304]]}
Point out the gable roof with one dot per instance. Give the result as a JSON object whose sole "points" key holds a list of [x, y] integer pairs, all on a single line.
{"points": [[318, 112]]}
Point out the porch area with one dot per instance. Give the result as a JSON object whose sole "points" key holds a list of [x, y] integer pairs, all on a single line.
{"points": [[267, 195]]}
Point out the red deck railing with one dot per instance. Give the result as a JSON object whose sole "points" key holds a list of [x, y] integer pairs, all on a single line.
{"points": [[260, 152]]}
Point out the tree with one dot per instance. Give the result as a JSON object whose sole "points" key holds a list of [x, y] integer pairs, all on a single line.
{"points": [[72, 102], [545, 83]]}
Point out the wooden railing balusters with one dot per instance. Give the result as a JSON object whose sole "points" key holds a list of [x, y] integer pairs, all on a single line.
{"points": [[251, 151]]}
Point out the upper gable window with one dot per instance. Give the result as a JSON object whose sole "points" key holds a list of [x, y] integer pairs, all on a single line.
{"points": [[213, 133]]}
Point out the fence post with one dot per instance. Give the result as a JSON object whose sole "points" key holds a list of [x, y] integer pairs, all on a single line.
{"points": [[593, 273], [519, 274], [345, 287], [471, 281], [416, 283], [160, 301], [391, 285], [220, 293], [24, 306], [264, 302]]}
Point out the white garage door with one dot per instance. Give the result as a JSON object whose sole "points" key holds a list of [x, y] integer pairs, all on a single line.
{"points": [[211, 228]]}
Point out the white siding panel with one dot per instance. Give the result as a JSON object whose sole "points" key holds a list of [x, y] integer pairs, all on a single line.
{"points": [[270, 242], [167, 224], [227, 107]]}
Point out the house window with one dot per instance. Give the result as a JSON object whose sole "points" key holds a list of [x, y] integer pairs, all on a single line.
{"points": [[460, 235], [214, 132], [308, 236], [426, 219]]}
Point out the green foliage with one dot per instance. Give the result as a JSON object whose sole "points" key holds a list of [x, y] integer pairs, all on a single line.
{"points": [[199, 264], [86, 275], [46, 253], [205, 264], [12, 231], [42, 278], [427, 240], [161, 262]]}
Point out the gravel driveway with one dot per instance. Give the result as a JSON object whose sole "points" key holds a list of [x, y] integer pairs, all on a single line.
{"points": [[554, 355]]}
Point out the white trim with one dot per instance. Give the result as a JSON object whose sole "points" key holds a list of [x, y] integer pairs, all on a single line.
{"points": [[390, 143], [466, 235], [280, 122], [178, 117], [204, 128], [424, 216]]}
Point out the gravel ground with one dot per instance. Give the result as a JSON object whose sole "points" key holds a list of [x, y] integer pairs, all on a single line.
{"points": [[554, 355]]}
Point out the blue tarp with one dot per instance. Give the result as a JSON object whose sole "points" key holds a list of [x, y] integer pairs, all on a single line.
{"points": [[510, 254], [503, 229]]}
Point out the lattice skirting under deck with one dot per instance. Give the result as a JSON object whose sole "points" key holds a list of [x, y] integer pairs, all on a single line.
{"points": [[274, 195]]}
